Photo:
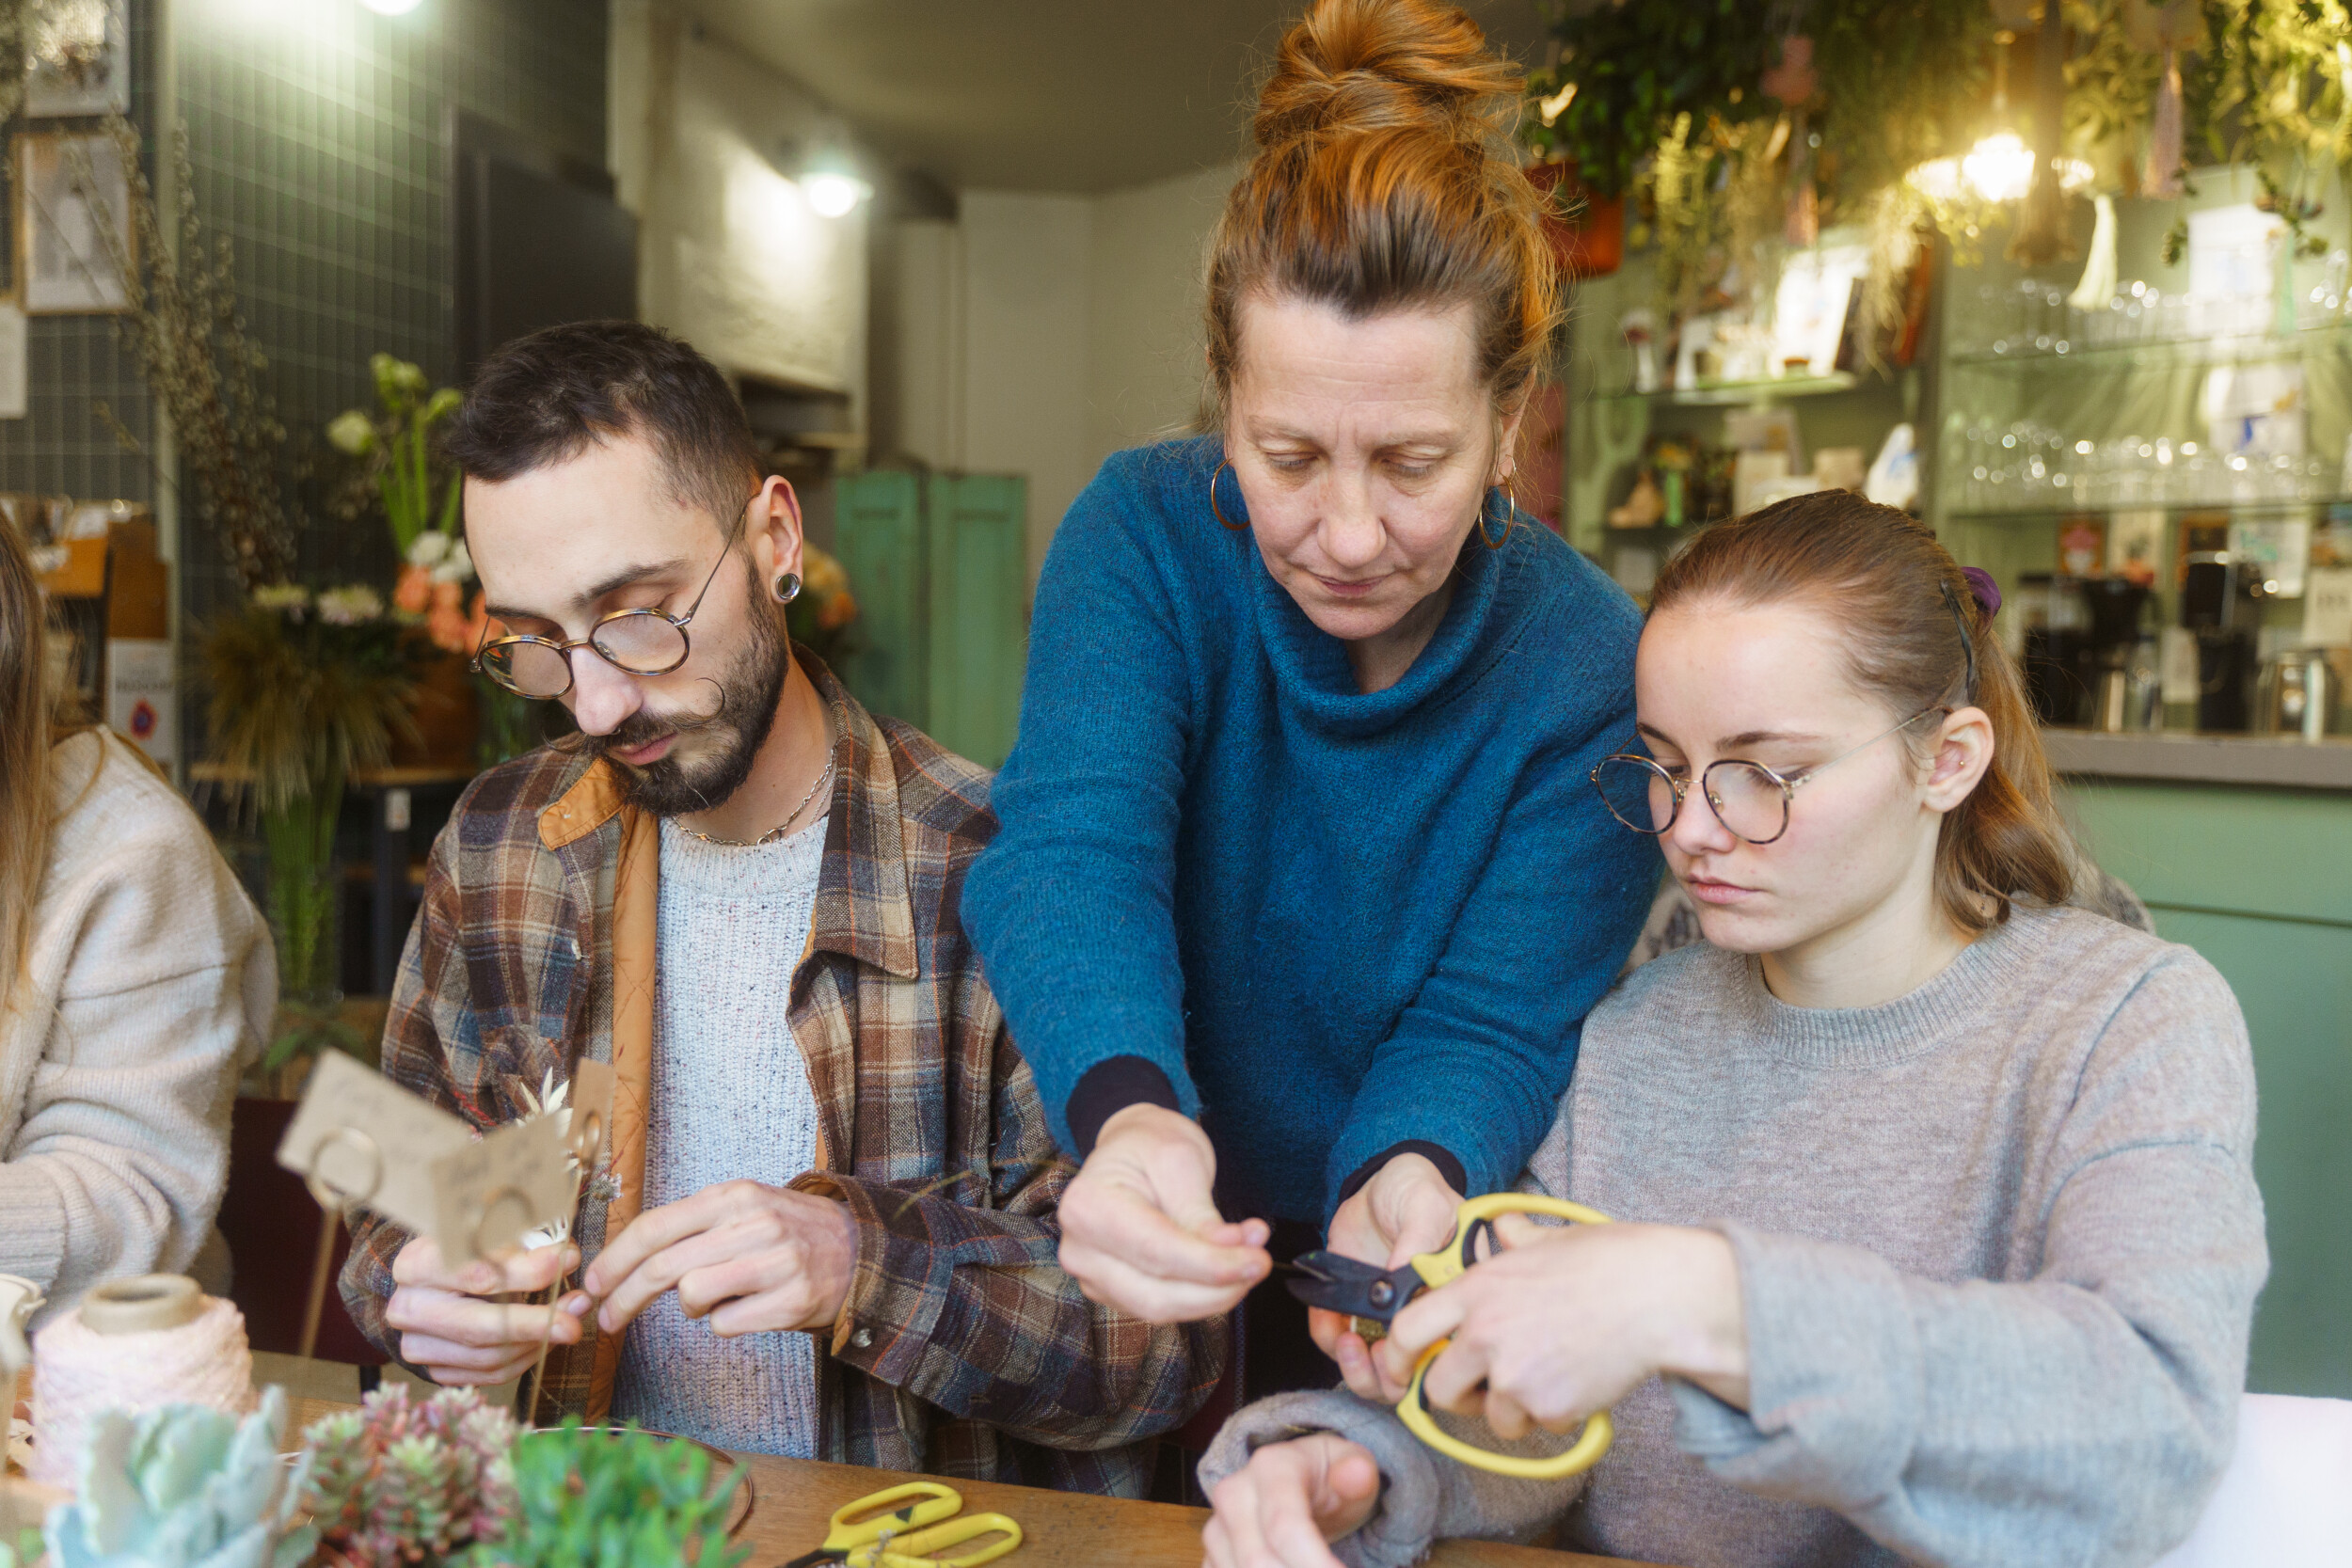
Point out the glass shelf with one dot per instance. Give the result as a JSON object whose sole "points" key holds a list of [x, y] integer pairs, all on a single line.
{"points": [[2220, 348], [2062, 508], [1723, 393]]}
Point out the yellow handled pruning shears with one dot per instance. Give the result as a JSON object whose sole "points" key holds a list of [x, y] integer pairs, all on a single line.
{"points": [[1371, 1297], [909, 1526]]}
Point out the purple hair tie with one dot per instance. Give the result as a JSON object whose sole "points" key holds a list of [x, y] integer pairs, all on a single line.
{"points": [[1988, 593]]}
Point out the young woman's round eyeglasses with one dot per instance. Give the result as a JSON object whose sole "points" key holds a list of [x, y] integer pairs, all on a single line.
{"points": [[635, 642], [1750, 799]]}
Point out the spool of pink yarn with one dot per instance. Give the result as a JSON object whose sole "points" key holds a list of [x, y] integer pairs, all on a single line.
{"points": [[133, 1345]]}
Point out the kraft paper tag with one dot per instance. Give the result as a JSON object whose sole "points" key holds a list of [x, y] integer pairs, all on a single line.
{"points": [[591, 1111], [360, 1137], [487, 1195]]}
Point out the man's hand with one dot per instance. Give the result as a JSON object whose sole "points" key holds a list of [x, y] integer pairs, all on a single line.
{"points": [[748, 1256], [1405, 1209], [1140, 1231], [1279, 1510], [454, 1327], [1565, 1323]]}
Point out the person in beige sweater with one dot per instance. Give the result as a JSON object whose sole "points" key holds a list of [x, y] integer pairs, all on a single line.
{"points": [[136, 979]]}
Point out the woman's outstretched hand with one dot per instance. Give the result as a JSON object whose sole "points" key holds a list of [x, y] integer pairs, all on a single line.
{"points": [[1279, 1509], [1406, 1209], [1563, 1323], [1140, 1228]]}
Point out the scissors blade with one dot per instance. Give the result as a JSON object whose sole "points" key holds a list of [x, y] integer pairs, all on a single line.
{"points": [[1344, 1285]]}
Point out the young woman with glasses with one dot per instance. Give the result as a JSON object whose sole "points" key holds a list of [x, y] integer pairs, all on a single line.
{"points": [[1937, 1234]]}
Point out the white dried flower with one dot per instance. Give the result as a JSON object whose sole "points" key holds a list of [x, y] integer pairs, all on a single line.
{"points": [[457, 565], [351, 433], [553, 1099], [428, 549], [352, 605], [284, 597]]}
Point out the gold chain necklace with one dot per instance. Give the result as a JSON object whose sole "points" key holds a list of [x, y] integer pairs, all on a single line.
{"points": [[772, 834]]}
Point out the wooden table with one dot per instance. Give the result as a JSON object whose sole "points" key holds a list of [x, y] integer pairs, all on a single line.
{"points": [[793, 1501]]}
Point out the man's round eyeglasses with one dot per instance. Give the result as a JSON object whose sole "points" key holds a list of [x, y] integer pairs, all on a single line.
{"points": [[635, 642], [1750, 799]]}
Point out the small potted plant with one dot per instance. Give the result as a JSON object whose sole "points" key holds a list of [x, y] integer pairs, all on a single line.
{"points": [[585, 1495], [411, 1480], [184, 1486]]}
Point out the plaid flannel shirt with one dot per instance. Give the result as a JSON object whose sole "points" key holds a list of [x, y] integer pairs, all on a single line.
{"points": [[962, 1348]]}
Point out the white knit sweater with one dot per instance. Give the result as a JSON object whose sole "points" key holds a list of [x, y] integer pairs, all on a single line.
{"points": [[149, 981]]}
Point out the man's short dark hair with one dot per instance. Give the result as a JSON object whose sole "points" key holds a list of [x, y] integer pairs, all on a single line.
{"points": [[546, 397]]}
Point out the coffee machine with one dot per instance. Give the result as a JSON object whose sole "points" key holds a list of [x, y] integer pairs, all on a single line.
{"points": [[2223, 611], [2081, 634]]}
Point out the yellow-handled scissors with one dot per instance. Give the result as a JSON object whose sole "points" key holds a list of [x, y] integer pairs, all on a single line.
{"points": [[1371, 1297], [911, 1527]]}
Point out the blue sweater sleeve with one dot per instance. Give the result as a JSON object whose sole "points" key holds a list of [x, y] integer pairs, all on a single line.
{"points": [[1544, 930], [1073, 906]]}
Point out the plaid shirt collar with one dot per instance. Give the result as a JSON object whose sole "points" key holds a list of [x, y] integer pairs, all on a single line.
{"points": [[864, 907]]}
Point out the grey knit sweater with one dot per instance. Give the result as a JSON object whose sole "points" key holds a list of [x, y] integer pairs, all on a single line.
{"points": [[1999, 1244]]}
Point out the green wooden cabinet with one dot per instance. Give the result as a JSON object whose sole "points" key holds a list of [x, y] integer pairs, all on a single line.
{"points": [[2260, 881], [939, 566]]}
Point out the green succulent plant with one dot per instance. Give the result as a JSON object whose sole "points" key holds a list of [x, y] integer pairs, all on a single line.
{"points": [[184, 1486], [406, 1480], [588, 1498]]}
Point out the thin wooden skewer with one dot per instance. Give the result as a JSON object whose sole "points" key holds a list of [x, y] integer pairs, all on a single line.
{"points": [[315, 1309]]}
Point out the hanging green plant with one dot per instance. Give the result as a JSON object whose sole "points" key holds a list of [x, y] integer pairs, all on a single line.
{"points": [[1894, 82]]}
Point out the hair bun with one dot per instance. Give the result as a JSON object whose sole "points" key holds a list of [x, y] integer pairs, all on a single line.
{"points": [[1357, 66]]}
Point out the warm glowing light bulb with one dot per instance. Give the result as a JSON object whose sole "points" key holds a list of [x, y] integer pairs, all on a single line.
{"points": [[2000, 167], [390, 8]]}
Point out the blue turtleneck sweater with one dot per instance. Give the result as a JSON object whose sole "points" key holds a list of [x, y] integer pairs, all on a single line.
{"points": [[1330, 924]]}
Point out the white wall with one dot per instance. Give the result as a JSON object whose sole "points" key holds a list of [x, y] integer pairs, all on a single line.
{"points": [[1145, 368], [1026, 259], [1039, 333], [729, 256]]}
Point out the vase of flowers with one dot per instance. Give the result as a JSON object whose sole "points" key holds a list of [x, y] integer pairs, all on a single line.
{"points": [[305, 687], [396, 471]]}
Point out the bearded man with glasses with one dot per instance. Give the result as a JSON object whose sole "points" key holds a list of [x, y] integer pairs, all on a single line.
{"points": [[829, 1226]]}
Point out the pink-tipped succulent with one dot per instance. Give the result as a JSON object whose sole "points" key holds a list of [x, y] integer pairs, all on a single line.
{"points": [[406, 1481]]}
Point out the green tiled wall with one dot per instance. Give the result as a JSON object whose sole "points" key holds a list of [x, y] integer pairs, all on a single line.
{"points": [[74, 363], [317, 129]]}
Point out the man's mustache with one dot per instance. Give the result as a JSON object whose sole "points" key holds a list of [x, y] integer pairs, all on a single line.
{"points": [[641, 728]]}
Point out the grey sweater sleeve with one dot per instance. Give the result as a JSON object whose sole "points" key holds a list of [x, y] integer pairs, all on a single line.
{"points": [[2077, 1417], [1424, 1497]]}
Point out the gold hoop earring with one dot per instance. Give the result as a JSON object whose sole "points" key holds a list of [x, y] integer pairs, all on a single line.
{"points": [[1510, 514], [1214, 510]]}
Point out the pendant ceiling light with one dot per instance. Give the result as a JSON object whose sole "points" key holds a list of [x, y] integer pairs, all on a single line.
{"points": [[1999, 167]]}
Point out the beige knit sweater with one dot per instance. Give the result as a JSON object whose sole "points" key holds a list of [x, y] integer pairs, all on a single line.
{"points": [[149, 983]]}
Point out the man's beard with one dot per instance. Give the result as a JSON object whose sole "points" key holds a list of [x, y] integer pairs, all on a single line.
{"points": [[748, 695]]}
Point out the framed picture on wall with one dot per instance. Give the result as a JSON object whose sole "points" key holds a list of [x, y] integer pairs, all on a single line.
{"points": [[73, 233], [81, 59]]}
